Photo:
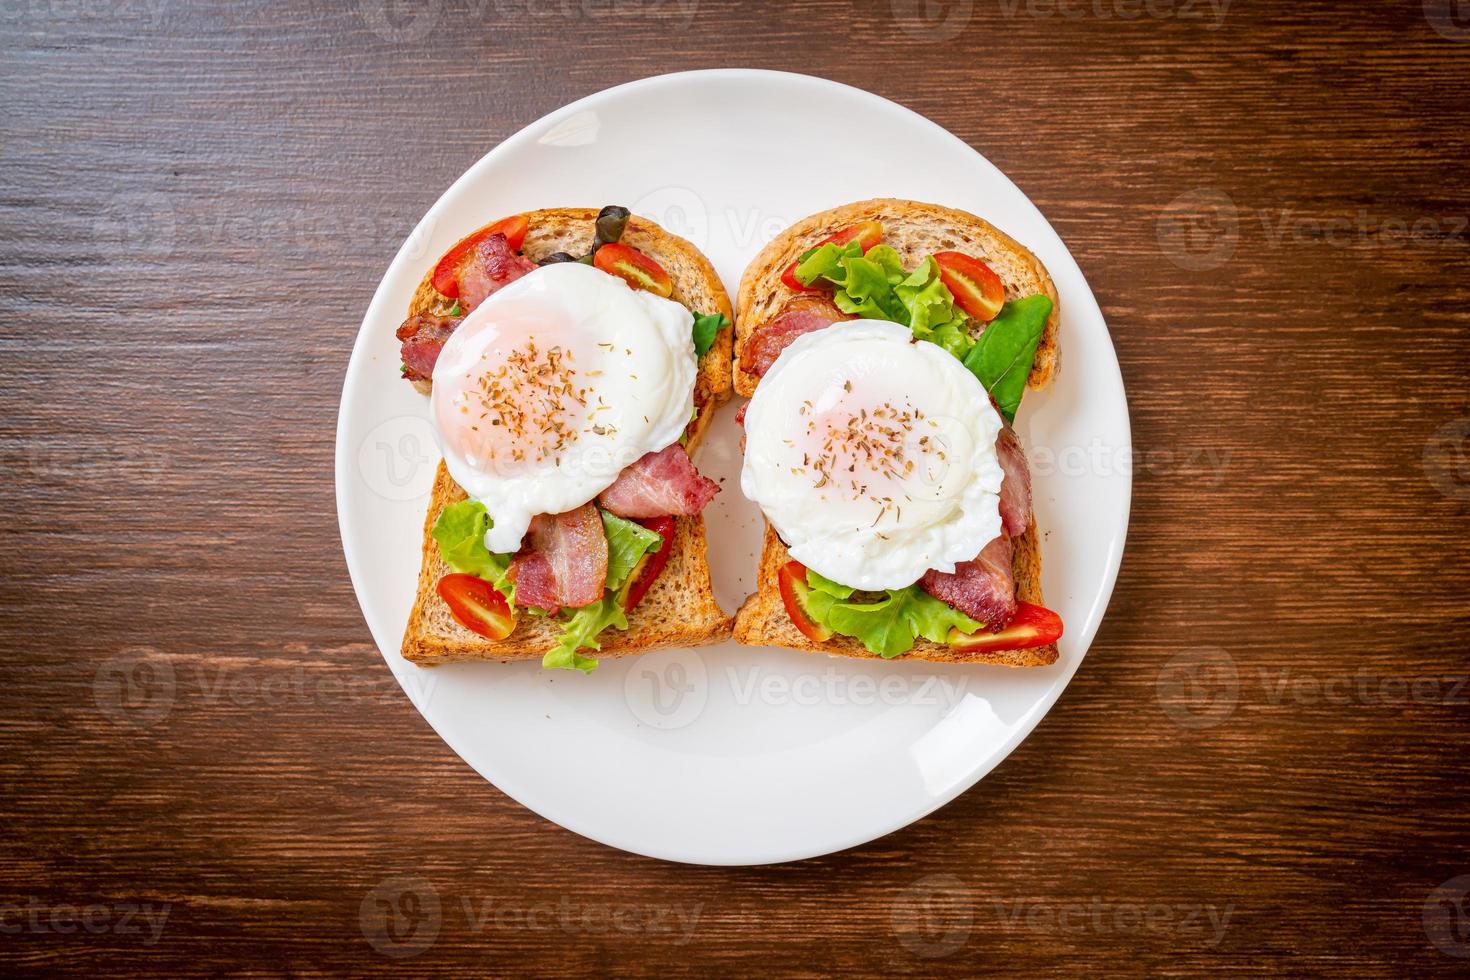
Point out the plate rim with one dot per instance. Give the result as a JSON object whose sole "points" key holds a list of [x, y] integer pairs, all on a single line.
{"points": [[342, 474]]}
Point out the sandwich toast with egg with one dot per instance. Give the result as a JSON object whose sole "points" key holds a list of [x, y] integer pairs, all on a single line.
{"points": [[675, 605], [777, 309]]}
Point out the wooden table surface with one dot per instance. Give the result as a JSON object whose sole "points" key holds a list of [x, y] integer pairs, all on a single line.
{"points": [[1260, 766]]}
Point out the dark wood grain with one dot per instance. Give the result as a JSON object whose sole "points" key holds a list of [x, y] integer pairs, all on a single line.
{"points": [[196, 202]]}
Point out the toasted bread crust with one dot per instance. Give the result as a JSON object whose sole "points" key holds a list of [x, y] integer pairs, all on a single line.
{"points": [[915, 230], [679, 609]]}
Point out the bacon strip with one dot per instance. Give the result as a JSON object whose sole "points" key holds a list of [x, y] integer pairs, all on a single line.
{"points": [[563, 562], [659, 484], [1015, 488], [984, 588], [801, 314], [423, 338], [491, 265]]}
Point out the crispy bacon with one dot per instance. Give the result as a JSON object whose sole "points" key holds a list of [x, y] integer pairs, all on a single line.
{"points": [[489, 266], [1015, 489], [802, 314], [659, 484], [423, 338], [984, 588], [563, 561]]}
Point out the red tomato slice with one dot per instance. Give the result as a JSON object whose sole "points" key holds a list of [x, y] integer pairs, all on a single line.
{"points": [[1032, 626], [977, 290], [868, 233], [651, 565], [794, 590], [446, 273], [789, 278], [634, 268], [476, 606]]}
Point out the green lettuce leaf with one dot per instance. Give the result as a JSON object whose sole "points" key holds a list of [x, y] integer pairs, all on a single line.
{"points": [[627, 542], [460, 534], [867, 285], [825, 262], [822, 583], [932, 314], [886, 626], [706, 326], [1003, 355], [580, 630], [875, 286]]}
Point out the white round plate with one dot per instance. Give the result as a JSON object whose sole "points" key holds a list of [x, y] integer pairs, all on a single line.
{"points": [[731, 754]]}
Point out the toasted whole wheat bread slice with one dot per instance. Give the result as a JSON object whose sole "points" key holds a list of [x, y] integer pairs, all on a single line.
{"points": [[680, 608], [916, 231]]}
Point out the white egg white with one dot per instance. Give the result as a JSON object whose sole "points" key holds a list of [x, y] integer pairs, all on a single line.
{"points": [[553, 385], [873, 455]]}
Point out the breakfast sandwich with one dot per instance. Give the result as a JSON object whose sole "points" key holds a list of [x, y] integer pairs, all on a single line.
{"points": [[572, 360], [886, 346]]}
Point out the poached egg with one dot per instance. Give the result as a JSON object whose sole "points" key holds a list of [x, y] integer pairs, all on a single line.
{"points": [[873, 455], [553, 385]]}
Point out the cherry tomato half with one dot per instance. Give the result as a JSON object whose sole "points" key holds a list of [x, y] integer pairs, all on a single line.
{"points": [[976, 288], [634, 268], [650, 565], [1032, 626], [794, 590], [476, 605]]}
